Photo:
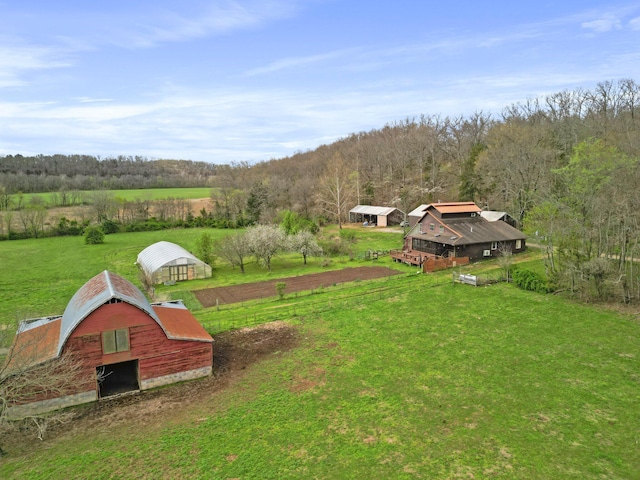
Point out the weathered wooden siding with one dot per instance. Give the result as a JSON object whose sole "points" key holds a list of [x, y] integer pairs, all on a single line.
{"points": [[156, 354]]}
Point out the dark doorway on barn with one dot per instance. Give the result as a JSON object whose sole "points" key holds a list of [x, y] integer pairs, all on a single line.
{"points": [[117, 378]]}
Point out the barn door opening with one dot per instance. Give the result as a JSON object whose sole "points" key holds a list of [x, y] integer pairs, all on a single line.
{"points": [[117, 378]]}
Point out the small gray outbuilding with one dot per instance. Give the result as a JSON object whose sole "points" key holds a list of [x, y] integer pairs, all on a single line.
{"points": [[168, 262], [380, 216]]}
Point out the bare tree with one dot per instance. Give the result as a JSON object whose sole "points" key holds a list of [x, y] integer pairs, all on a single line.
{"points": [[234, 249], [505, 260], [335, 192], [104, 205], [33, 217], [24, 378]]}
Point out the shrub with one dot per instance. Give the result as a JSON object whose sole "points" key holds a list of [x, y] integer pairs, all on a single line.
{"points": [[109, 226], [93, 236], [529, 280], [280, 287]]}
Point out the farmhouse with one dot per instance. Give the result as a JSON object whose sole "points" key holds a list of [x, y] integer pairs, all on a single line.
{"points": [[458, 230], [380, 216], [122, 342], [168, 262]]}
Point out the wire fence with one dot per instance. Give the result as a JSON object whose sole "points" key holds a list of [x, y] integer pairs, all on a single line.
{"points": [[315, 302]]}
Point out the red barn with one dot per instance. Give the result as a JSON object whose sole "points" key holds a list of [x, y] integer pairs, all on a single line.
{"points": [[124, 343]]}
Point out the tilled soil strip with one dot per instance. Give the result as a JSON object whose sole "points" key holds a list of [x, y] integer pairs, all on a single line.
{"points": [[267, 288]]}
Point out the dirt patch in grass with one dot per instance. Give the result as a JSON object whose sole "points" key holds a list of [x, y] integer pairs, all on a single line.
{"points": [[267, 288], [234, 352]]}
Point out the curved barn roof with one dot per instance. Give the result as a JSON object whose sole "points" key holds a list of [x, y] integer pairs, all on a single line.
{"points": [[162, 253], [96, 292]]}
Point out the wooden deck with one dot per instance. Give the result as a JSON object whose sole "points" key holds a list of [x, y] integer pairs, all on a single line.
{"points": [[427, 261], [410, 257]]}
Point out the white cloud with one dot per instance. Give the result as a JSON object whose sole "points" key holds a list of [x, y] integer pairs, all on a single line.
{"points": [[162, 25], [606, 23], [287, 63], [634, 23], [17, 59]]}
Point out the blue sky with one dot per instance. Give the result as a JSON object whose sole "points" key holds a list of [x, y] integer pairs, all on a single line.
{"points": [[250, 80]]}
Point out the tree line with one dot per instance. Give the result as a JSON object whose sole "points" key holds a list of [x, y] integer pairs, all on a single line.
{"points": [[67, 173]]}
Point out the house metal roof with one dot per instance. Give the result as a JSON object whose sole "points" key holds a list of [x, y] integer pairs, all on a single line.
{"points": [[371, 210], [492, 216], [419, 211], [165, 253], [466, 232], [96, 292]]}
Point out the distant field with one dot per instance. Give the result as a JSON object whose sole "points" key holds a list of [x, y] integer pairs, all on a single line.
{"points": [[129, 195]]}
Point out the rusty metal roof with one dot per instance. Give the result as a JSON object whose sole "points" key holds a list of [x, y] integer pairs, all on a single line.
{"points": [[456, 207], [36, 342], [179, 323], [96, 292], [165, 253]]}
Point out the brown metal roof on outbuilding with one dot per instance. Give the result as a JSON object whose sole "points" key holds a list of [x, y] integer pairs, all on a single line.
{"points": [[456, 207], [179, 323], [36, 342]]}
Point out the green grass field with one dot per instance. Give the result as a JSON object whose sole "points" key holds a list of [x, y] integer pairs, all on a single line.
{"points": [[39, 276], [134, 194], [414, 377]]}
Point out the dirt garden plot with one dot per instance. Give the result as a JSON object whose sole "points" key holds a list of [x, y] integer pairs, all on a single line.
{"points": [[257, 290]]}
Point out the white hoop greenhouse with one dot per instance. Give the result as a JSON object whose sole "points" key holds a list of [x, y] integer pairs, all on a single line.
{"points": [[165, 262]]}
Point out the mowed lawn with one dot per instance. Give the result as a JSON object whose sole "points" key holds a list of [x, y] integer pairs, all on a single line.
{"points": [[450, 381]]}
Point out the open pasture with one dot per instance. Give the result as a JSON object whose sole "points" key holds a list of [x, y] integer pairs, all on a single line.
{"points": [[448, 381], [406, 377]]}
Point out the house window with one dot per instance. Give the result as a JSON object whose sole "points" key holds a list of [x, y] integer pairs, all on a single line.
{"points": [[494, 245], [115, 341], [441, 228], [432, 227], [518, 244]]}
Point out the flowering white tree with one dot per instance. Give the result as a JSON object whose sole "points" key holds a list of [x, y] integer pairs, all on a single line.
{"points": [[264, 242], [304, 242]]}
